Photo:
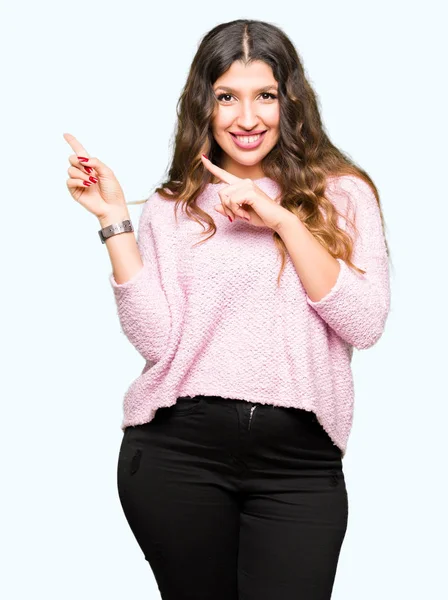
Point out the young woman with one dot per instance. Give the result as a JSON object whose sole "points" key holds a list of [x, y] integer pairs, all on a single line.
{"points": [[230, 469]]}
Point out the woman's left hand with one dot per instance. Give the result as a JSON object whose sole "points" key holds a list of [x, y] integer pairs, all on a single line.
{"points": [[242, 198]]}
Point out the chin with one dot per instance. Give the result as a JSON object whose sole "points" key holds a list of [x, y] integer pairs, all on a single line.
{"points": [[249, 162]]}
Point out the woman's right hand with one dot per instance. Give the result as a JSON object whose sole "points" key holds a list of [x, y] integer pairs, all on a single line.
{"points": [[100, 198]]}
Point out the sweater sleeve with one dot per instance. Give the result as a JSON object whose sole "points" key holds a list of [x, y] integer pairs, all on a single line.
{"points": [[357, 306], [141, 303]]}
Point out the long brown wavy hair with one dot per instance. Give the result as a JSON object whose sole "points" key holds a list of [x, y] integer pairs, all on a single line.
{"points": [[300, 162]]}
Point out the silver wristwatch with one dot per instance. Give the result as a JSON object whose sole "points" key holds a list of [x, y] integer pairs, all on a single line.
{"points": [[114, 229]]}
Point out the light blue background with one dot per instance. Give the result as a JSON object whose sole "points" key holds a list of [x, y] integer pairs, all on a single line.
{"points": [[110, 73]]}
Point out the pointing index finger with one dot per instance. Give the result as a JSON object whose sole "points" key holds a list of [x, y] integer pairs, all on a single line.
{"points": [[76, 146], [220, 173]]}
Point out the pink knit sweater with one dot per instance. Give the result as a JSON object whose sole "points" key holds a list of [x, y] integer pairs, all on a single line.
{"points": [[211, 320]]}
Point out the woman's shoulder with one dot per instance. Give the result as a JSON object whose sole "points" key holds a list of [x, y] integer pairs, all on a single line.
{"points": [[350, 192], [352, 185], [156, 201]]}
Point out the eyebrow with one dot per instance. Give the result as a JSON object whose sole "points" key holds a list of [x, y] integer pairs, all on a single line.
{"points": [[263, 89]]}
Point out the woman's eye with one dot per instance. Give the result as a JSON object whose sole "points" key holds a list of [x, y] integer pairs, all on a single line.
{"points": [[222, 96], [270, 96]]}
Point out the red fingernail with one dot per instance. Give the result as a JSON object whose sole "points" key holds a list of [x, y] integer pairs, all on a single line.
{"points": [[88, 169], [230, 219], [87, 183], [205, 156], [94, 179], [83, 159]]}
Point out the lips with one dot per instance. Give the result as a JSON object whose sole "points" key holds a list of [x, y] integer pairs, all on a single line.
{"points": [[246, 133], [249, 145]]}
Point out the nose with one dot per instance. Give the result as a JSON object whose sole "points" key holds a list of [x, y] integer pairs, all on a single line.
{"points": [[248, 119]]}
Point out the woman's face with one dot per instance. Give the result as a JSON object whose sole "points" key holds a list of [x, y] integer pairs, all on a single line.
{"points": [[248, 103]]}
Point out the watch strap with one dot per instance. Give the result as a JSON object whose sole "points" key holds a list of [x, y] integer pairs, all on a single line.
{"points": [[115, 229]]}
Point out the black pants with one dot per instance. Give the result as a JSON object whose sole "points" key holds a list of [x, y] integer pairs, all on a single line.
{"points": [[231, 500]]}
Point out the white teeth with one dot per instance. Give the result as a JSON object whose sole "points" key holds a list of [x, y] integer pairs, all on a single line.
{"points": [[247, 139]]}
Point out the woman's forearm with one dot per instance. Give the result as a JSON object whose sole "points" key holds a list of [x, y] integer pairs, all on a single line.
{"points": [[141, 303], [123, 250]]}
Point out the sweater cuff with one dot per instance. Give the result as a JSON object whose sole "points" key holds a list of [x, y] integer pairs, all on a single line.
{"points": [[329, 298]]}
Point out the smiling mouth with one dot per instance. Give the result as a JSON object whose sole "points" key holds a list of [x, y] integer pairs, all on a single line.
{"points": [[248, 139]]}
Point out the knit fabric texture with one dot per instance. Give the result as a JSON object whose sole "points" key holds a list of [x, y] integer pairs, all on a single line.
{"points": [[211, 320]]}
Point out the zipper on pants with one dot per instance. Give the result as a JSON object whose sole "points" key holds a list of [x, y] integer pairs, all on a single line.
{"points": [[250, 416]]}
